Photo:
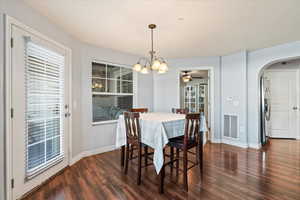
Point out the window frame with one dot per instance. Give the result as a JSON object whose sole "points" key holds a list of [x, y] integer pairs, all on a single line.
{"points": [[134, 87]]}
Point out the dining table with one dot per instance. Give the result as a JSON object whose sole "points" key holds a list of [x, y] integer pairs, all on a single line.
{"points": [[156, 130]]}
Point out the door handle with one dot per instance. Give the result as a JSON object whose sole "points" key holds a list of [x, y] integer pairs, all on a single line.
{"points": [[295, 108]]}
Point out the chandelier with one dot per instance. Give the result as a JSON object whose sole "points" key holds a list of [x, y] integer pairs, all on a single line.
{"points": [[154, 63]]}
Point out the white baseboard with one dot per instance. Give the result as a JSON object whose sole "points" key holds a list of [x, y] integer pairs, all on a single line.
{"points": [[91, 153], [113, 147], [100, 150], [77, 158], [214, 140], [254, 145], [234, 143], [237, 143]]}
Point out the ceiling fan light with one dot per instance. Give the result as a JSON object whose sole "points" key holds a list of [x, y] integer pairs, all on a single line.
{"points": [[185, 79], [144, 70], [155, 65], [137, 67]]}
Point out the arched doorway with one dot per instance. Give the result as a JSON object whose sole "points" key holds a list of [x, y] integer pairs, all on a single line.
{"points": [[279, 100]]}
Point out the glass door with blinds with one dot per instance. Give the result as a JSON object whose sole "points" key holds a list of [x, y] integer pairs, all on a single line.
{"points": [[40, 111]]}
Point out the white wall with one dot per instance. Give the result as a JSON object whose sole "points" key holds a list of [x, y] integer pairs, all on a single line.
{"points": [[257, 60], [237, 76], [84, 136], [157, 92], [234, 93], [26, 15], [102, 137], [29, 17], [167, 92]]}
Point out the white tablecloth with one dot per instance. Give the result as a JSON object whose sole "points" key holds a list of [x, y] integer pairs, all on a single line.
{"points": [[156, 129]]}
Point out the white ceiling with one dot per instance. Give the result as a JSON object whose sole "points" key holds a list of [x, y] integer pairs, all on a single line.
{"points": [[186, 28]]}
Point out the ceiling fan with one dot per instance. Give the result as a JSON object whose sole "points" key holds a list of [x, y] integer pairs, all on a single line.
{"points": [[187, 76]]}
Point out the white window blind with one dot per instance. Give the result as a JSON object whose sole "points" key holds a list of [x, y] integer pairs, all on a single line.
{"points": [[44, 108]]}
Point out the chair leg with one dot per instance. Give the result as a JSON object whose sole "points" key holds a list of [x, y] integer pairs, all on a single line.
{"points": [[185, 169], [177, 162], [197, 154], [162, 176], [139, 164], [171, 159], [161, 180], [122, 155], [126, 158], [146, 155], [201, 154]]}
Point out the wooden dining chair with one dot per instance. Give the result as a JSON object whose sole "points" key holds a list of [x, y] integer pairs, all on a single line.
{"points": [[139, 110], [179, 110], [133, 142], [192, 138]]}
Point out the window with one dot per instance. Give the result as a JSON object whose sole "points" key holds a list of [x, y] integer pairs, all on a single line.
{"points": [[112, 89], [44, 91]]}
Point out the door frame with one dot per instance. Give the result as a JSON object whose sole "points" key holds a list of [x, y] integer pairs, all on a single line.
{"points": [[9, 22], [297, 136], [211, 74]]}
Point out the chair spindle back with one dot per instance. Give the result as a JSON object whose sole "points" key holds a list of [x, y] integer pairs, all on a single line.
{"points": [[192, 125], [132, 126]]}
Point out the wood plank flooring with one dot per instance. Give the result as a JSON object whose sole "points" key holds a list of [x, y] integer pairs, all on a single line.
{"points": [[229, 173]]}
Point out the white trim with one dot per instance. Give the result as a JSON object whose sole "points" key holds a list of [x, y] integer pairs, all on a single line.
{"points": [[95, 60], [281, 70], [298, 102], [76, 158], [91, 153], [254, 145], [112, 94], [70, 88], [9, 22], [234, 143], [217, 141], [210, 69], [8, 122], [104, 122], [258, 75], [134, 81], [100, 150]]}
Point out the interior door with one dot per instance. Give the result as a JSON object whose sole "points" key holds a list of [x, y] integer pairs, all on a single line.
{"points": [[39, 99], [284, 108]]}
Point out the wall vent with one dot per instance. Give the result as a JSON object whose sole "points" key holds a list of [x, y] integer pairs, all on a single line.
{"points": [[231, 126]]}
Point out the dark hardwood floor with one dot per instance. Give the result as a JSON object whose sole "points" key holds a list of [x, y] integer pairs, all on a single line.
{"points": [[229, 173]]}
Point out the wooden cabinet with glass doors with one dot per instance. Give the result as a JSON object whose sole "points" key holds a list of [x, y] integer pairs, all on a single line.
{"points": [[195, 99]]}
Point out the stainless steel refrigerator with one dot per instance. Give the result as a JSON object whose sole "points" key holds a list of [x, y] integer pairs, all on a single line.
{"points": [[265, 109]]}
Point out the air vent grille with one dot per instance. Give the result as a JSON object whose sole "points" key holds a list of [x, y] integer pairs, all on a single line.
{"points": [[231, 126]]}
